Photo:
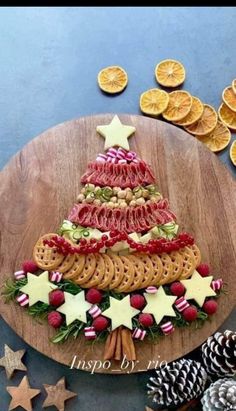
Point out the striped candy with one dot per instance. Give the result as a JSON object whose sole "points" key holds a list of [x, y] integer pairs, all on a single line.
{"points": [[139, 334], [151, 289], [55, 276], [112, 152], [23, 300], [120, 156], [121, 153], [217, 284], [95, 311], [181, 304], [122, 161], [167, 328], [19, 275], [89, 333], [101, 158]]}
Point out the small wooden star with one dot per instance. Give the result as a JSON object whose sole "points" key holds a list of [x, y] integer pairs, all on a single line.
{"points": [[57, 395], [22, 395], [12, 361], [148, 409]]}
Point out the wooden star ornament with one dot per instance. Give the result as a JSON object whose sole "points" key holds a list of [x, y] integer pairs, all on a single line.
{"points": [[116, 133], [12, 361], [57, 395], [22, 395]]}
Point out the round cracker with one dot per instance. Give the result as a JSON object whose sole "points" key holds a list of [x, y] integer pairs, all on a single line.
{"points": [[88, 269], [138, 272], [118, 274], [128, 275], [188, 262], [157, 269], [148, 269], [76, 268], [67, 263], [177, 261], [167, 268], [47, 258], [108, 272], [98, 273], [197, 254]]}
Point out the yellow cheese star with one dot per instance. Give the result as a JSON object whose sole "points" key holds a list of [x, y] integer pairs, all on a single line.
{"points": [[38, 288], [159, 304], [120, 312], [75, 307], [116, 133], [198, 288]]}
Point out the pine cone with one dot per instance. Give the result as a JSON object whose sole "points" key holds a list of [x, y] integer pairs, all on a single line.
{"points": [[220, 396], [219, 354], [178, 382]]}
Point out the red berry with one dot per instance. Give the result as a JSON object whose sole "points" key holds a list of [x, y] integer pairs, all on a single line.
{"points": [[203, 269], [29, 266], [104, 237], [94, 296], [146, 320], [210, 307], [56, 298], [137, 301], [100, 323], [177, 289], [190, 313], [55, 319]]}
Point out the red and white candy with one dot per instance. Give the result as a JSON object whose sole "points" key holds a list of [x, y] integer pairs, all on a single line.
{"points": [[181, 304], [23, 300], [89, 333], [95, 311], [102, 158], [139, 334], [151, 289], [119, 155], [55, 276], [217, 284], [167, 328], [19, 275]]}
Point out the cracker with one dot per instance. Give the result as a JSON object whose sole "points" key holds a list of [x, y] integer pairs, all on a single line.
{"points": [[76, 268], [88, 269], [197, 254], [46, 258], [128, 275], [148, 269], [157, 269], [188, 262], [108, 273], [167, 268], [118, 274], [138, 272], [67, 263]]}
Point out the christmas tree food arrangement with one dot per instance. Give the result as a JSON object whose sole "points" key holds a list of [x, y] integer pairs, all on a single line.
{"points": [[118, 269]]}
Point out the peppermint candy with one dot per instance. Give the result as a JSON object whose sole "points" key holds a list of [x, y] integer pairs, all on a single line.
{"points": [[23, 300], [139, 334], [19, 275], [121, 153], [167, 328], [112, 152], [89, 333], [95, 311], [122, 161], [55, 276], [102, 158], [118, 156], [217, 284], [181, 304], [151, 289]]}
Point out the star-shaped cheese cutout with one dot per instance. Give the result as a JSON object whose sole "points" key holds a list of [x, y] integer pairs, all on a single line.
{"points": [[75, 307], [198, 288], [12, 361], [159, 304], [116, 133], [120, 312], [38, 288]]}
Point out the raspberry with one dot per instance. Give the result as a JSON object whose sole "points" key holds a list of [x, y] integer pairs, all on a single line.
{"points": [[203, 269], [190, 313], [55, 319], [29, 266], [100, 323], [137, 301], [146, 320], [210, 307], [177, 289], [56, 298], [94, 296]]}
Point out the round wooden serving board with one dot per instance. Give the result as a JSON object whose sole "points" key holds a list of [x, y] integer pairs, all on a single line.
{"points": [[40, 184]]}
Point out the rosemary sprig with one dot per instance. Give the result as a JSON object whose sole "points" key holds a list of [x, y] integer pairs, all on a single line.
{"points": [[69, 287], [66, 331], [40, 310], [12, 288]]}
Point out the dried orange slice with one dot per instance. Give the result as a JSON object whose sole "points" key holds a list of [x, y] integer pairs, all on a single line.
{"points": [[229, 98], [154, 101], [170, 73], [205, 124], [234, 85], [218, 139], [112, 79], [227, 116], [232, 153], [194, 114], [180, 103]]}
